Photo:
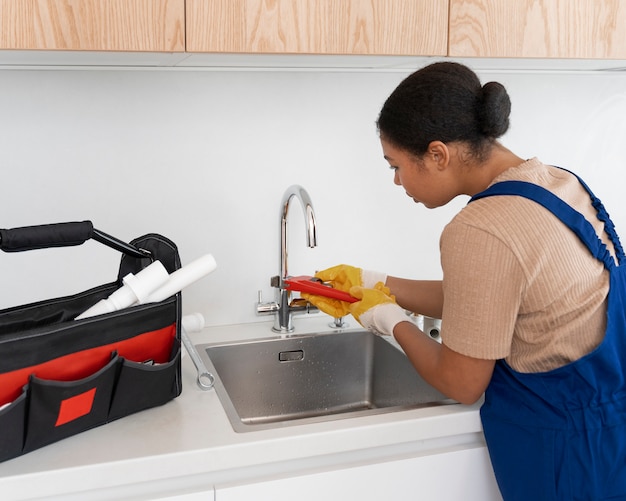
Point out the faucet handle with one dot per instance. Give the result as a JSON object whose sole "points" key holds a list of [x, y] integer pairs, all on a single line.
{"points": [[275, 281], [265, 308]]}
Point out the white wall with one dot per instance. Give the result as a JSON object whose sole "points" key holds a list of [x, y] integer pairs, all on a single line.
{"points": [[203, 157]]}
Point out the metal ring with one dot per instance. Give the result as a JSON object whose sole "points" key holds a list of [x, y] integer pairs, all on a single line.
{"points": [[203, 378]]}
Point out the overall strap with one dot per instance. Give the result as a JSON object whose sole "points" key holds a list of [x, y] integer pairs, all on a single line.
{"points": [[573, 219], [603, 216]]}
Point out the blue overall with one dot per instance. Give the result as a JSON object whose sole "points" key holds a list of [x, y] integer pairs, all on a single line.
{"points": [[561, 434]]}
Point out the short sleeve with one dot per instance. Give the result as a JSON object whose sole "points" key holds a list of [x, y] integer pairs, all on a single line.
{"points": [[483, 284]]}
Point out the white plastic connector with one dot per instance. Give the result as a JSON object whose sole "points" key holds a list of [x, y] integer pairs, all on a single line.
{"points": [[194, 322], [136, 288]]}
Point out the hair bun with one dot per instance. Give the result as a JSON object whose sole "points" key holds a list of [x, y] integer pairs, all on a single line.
{"points": [[494, 108]]}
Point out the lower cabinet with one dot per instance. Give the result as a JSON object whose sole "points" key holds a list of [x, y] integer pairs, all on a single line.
{"points": [[457, 474], [196, 496]]}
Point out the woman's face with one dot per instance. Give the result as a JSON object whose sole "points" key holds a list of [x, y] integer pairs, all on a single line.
{"points": [[426, 180]]}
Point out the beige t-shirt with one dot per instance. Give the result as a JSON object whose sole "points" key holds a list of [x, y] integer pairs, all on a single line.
{"points": [[518, 284]]}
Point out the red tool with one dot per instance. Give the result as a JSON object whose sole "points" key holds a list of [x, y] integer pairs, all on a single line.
{"points": [[312, 285]]}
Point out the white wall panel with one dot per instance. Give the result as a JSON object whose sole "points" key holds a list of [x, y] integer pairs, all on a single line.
{"points": [[203, 157]]}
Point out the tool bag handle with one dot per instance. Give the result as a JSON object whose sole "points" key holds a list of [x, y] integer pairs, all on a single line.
{"points": [[62, 235]]}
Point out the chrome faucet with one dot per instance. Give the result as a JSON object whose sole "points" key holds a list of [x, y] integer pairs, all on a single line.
{"points": [[282, 307]]}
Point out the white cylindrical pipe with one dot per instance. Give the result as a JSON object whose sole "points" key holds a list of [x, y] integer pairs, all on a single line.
{"points": [[183, 277], [146, 281], [136, 288], [194, 322]]}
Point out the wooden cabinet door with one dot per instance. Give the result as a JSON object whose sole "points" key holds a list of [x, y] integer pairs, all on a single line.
{"points": [[98, 25], [538, 28], [401, 27]]}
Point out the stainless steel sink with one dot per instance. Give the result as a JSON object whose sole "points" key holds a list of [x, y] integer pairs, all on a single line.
{"points": [[293, 380]]}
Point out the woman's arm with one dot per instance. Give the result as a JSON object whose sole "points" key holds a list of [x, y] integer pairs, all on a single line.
{"points": [[424, 297], [459, 377]]}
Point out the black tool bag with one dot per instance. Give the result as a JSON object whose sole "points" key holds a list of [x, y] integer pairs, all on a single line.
{"points": [[60, 376]]}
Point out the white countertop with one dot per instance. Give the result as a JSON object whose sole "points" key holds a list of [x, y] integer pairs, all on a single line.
{"points": [[189, 442]]}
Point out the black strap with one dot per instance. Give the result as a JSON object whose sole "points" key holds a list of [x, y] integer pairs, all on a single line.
{"points": [[61, 235]]}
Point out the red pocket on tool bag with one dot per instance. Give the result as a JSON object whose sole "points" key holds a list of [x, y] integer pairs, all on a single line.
{"points": [[151, 347]]}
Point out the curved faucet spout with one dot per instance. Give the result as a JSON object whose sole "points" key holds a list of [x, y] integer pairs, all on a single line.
{"points": [[309, 220], [283, 318]]}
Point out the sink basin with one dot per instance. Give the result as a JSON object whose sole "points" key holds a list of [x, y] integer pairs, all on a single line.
{"points": [[285, 381]]}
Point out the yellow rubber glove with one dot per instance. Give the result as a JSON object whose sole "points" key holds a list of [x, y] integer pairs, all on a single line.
{"points": [[333, 307], [342, 277], [377, 309]]}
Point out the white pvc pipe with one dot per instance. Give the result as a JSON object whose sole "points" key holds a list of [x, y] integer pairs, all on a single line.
{"points": [[151, 285], [194, 322], [183, 277], [136, 288]]}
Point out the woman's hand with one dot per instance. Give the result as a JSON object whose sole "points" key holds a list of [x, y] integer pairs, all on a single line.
{"points": [[333, 307], [377, 309], [342, 277]]}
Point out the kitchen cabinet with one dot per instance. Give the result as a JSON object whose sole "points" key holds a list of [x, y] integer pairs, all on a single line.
{"points": [[374, 27], [94, 25], [190, 32], [449, 476], [194, 496], [538, 28]]}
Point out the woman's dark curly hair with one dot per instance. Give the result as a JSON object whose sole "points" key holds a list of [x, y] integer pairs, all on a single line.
{"points": [[445, 102]]}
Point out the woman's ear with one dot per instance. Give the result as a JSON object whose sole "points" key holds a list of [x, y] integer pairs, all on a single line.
{"points": [[439, 154]]}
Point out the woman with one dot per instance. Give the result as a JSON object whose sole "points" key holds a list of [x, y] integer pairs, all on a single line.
{"points": [[524, 295]]}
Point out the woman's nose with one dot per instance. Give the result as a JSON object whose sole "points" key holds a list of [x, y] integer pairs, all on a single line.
{"points": [[396, 179]]}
